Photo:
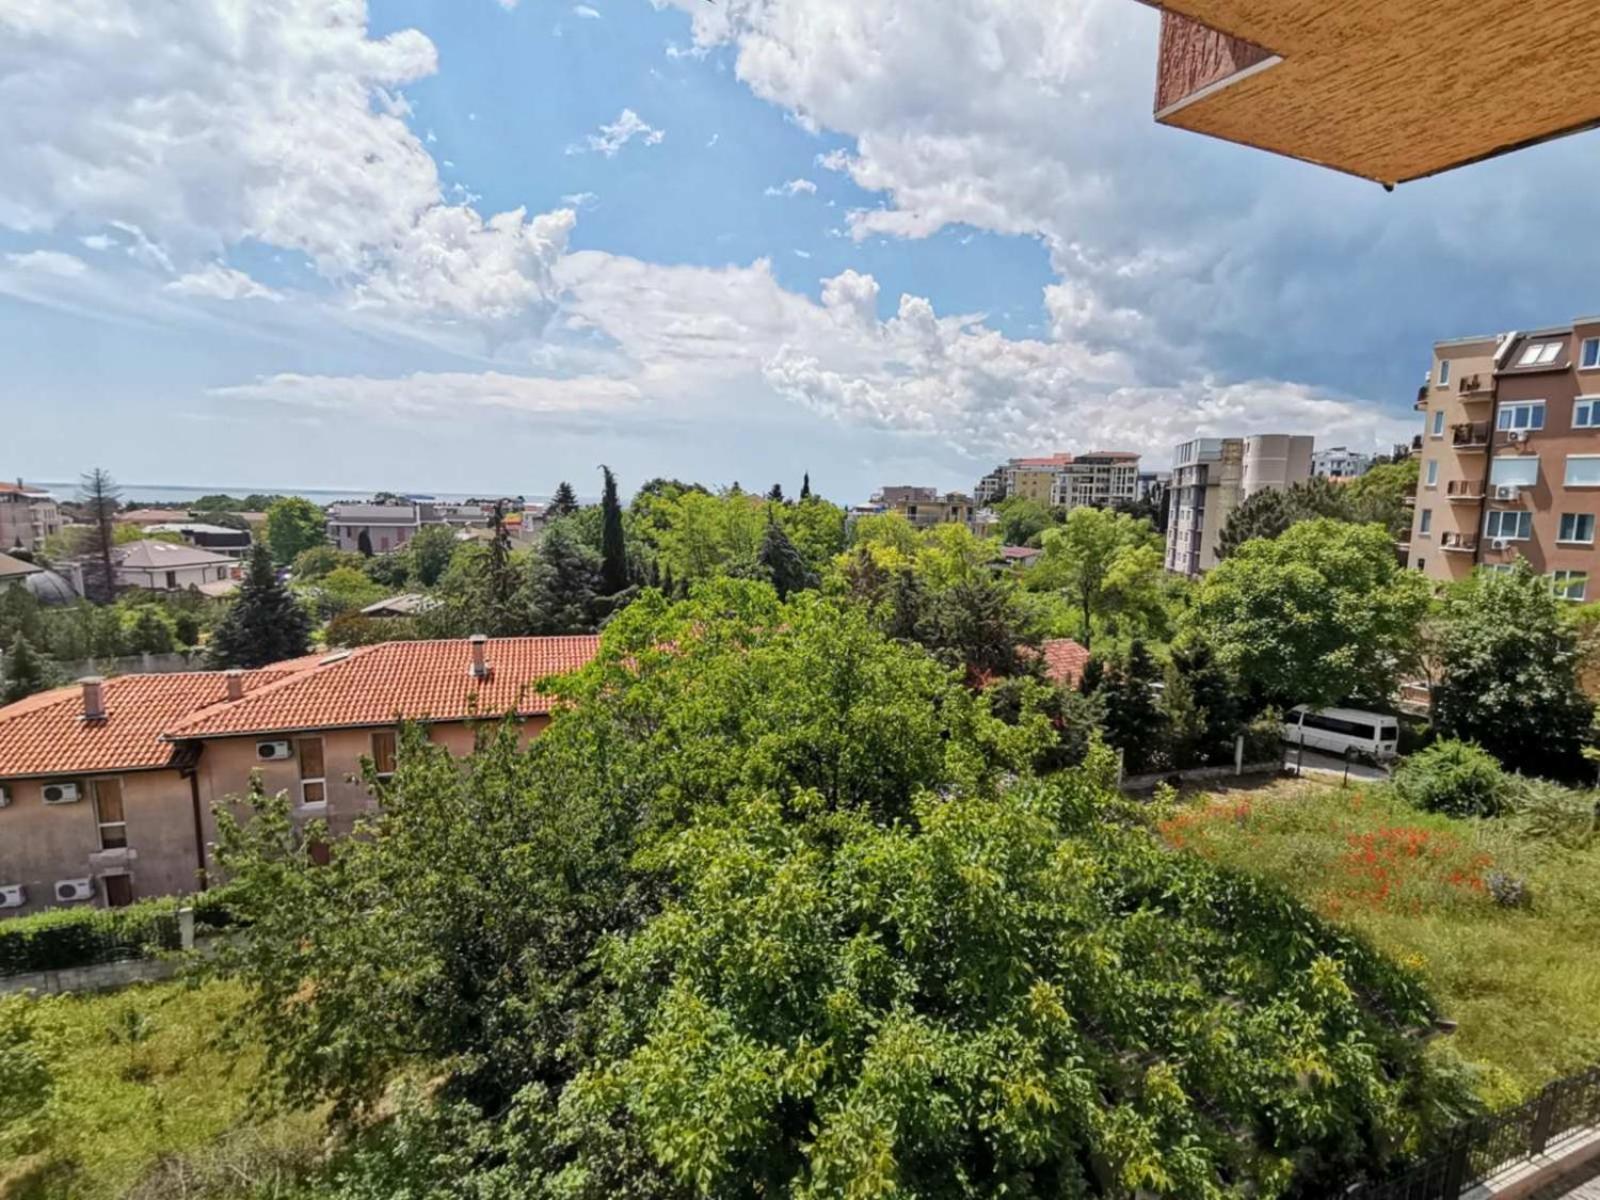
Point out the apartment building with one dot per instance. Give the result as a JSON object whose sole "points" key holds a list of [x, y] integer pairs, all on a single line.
{"points": [[107, 787], [1510, 461], [1213, 476], [1100, 479], [926, 507], [390, 526], [1339, 462], [28, 515]]}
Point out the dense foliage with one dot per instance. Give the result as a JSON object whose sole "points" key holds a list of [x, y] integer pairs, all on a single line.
{"points": [[264, 624], [1457, 778], [294, 525]]}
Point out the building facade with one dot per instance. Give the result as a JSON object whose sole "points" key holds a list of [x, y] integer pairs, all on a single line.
{"points": [[390, 526], [28, 515], [1511, 456], [926, 507], [107, 788], [1100, 479], [171, 567], [1338, 462], [1213, 476]]}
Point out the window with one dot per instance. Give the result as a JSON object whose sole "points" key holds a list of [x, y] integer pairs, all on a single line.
{"points": [[383, 752], [1586, 413], [1515, 471], [1583, 470], [1540, 354], [1590, 357], [1569, 585], [1513, 526], [1438, 423], [1576, 527], [1328, 724], [1498, 568], [1433, 472], [1523, 416], [1422, 564], [172, 580], [313, 779], [1444, 372], [119, 891], [1425, 527], [108, 812]]}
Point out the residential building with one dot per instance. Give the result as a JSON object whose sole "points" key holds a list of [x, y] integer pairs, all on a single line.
{"points": [[407, 604], [219, 539], [172, 567], [1511, 456], [50, 588], [107, 787], [1100, 478], [1213, 476], [1355, 86], [390, 526], [926, 507], [1151, 483], [150, 516], [28, 515], [1338, 462]]}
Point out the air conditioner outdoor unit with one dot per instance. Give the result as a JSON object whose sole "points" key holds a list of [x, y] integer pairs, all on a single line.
{"points": [[69, 891], [62, 793], [272, 751], [1518, 435], [13, 896], [1500, 544], [1506, 491]]}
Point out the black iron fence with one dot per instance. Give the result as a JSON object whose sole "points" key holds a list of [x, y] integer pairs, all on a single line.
{"points": [[1487, 1145]]}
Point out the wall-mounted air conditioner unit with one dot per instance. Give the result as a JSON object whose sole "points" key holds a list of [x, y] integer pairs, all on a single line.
{"points": [[70, 891], [1519, 435], [273, 751], [61, 793], [1507, 491], [1500, 544], [13, 896]]}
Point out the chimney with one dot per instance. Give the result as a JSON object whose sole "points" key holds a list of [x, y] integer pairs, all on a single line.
{"points": [[480, 666], [94, 704], [236, 684]]}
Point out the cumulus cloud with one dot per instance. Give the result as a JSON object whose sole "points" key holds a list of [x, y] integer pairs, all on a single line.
{"points": [[218, 282], [613, 137], [795, 187], [49, 262]]}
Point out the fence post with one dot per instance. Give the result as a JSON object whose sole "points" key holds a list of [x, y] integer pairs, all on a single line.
{"points": [[1122, 756], [1238, 755], [1543, 1118], [186, 927], [1455, 1171], [1300, 760], [1345, 782]]}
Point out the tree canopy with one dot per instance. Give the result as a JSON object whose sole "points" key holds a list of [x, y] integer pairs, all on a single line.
{"points": [[294, 525], [1103, 563], [264, 623]]}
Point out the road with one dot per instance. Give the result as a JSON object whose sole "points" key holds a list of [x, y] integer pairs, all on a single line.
{"points": [[1318, 763]]}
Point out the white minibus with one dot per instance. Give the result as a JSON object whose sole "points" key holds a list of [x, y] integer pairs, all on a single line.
{"points": [[1336, 730]]}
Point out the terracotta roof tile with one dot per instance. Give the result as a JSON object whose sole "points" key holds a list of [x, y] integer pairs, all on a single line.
{"points": [[376, 684], [1064, 661]]}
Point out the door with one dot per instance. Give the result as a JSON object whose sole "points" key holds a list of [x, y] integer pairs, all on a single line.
{"points": [[119, 891]]}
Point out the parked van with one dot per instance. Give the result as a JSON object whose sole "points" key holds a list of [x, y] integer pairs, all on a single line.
{"points": [[1337, 730]]}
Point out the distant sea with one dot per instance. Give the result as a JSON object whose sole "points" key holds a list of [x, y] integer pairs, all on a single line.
{"points": [[169, 493]]}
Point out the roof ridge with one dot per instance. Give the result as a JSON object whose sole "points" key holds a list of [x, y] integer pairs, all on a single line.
{"points": [[273, 685]]}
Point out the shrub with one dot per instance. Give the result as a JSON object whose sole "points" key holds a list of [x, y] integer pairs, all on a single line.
{"points": [[80, 937], [1458, 778], [1508, 890]]}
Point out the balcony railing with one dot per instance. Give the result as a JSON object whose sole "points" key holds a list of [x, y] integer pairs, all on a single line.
{"points": [[1422, 398], [1464, 490], [1472, 435], [1462, 543], [1476, 387]]}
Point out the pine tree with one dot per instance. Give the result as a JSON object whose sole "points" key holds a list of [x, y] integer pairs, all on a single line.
{"points": [[364, 544], [565, 501], [613, 545], [264, 624], [775, 493], [1133, 722], [499, 611], [25, 672], [99, 495], [782, 563], [564, 585], [1264, 515], [805, 486]]}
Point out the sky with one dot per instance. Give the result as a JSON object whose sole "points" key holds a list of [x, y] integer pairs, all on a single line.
{"points": [[485, 245]]}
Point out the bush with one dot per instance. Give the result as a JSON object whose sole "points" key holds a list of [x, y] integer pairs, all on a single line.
{"points": [[80, 937], [1508, 890], [1460, 779]]}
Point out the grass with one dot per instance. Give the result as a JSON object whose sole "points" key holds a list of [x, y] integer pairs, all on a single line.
{"points": [[149, 1101], [1523, 983]]}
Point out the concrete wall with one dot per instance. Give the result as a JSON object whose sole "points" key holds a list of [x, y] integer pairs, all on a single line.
{"points": [[135, 664], [155, 579]]}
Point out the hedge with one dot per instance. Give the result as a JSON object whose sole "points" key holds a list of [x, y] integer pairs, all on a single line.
{"points": [[81, 937]]}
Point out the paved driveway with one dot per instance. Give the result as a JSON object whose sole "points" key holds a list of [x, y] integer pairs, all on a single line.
{"points": [[1320, 764]]}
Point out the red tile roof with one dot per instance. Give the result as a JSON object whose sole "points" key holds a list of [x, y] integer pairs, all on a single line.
{"points": [[46, 735], [1064, 661], [376, 684]]}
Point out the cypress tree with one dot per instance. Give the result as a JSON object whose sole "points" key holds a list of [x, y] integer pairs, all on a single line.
{"points": [[613, 546], [25, 672], [264, 624], [364, 544], [500, 614], [805, 486]]}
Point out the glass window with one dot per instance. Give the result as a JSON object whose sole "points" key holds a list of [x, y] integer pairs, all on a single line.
{"points": [[1576, 527], [1433, 472], [108, 811], [313, 779], [1583, 471], [1444, 371], [1569, 585], [383, 752], [1591, 354], [1586, 413], [1523, 416], [1516, 471], [1426, 526], [1540, 354], [1514, 526], [1422, 564], [1438, 423]]}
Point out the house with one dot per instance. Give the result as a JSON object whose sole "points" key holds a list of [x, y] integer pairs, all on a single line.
{"points": [[390, 526], [1019, 557], [925, 507], [28, 515], [407, 604], [108, 786], [234, 543], [170, 567]]}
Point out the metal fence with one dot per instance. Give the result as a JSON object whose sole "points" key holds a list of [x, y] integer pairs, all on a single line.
{"points": [[107, 937], [1484, 1147]]}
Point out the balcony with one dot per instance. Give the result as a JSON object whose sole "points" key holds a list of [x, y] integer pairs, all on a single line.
{"points": [[1464, 491], [1476, 387], [1422, 398], [1470, 436], [1459, 543]]}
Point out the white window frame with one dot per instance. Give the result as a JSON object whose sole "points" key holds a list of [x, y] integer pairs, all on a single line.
{"points": [[102, 825], [321, 781], [1577, 520], [1540, 354], [1520, 461], [1561, 584], [1438, 423], [1528, 409], [1567, 474], [1444, 372], [1588, 407], [1433, 473], [1585, 362], [1425, 523], [1497, 517]]}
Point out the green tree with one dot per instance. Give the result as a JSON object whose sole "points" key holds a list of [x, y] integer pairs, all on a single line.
{"points": [[1507, 672], [614, 574], [979, 624], [1322, 613], [1380, 495], [1102, 563], [264, 624], [1134, 722], [294, 524], [99, 497], [563, 503], [430, 551], [25, 672], [149, 631], [314, 563], [342, 590], [775, 493], [1263, 515], [364, 544], [498, 602], [1022, 520], [564, 584], [805, 486], [781, 563], [950, 553], [705, 536], [817, 530]]}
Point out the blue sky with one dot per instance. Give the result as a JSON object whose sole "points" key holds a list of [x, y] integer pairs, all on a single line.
{"points": [[473, 245]]}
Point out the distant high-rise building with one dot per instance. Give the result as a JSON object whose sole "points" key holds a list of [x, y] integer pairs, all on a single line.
{"points": [[1212, 476], [1337, 462], [1100, 478]]}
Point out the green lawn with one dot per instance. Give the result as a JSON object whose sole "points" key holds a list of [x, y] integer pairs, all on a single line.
{"points": [[1524, 984], [149, 1103]]}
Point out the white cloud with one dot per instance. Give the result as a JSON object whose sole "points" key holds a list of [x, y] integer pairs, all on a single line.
{"points": [[218, 282], [613, 137], [441, 395], [795, 187], [97, 241], [579, 199], [584, 11], [49, 262]]}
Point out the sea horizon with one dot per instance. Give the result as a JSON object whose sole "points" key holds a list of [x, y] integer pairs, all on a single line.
{"points": [[176, 493]]}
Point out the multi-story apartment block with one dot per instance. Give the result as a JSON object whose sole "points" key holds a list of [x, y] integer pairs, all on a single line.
{"points": [[1100, 478], [390, 526], [28, 515], [1510, 461], [107, 788], [925, 507], [1212, 476], [1338, 462]]}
